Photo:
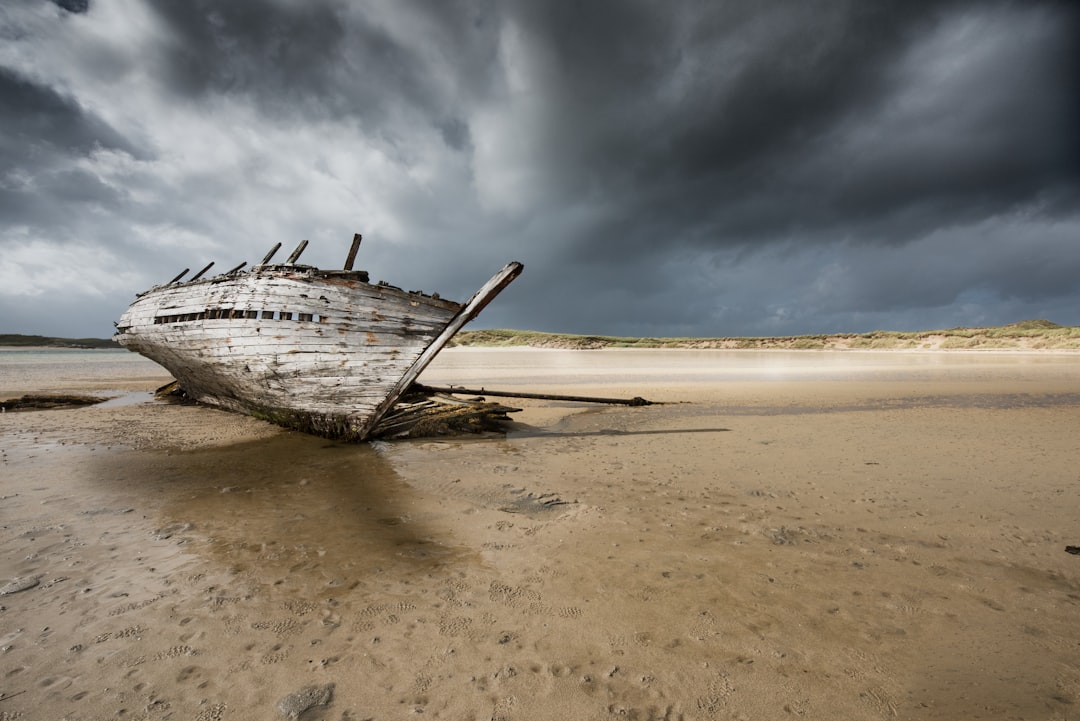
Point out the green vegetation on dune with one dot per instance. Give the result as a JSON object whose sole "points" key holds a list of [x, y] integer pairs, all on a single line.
{"points": [[494, 338], [1025, 335], [15, 340]]}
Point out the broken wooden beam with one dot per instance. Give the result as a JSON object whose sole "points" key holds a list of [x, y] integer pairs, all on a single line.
{"points": [[178, 277], [636, 401], [352, 251], [296, 253], [270, 255], [200, 273], [424, 416]]}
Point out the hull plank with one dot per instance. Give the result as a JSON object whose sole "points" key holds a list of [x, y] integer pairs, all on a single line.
{"points": [[320, 351]]}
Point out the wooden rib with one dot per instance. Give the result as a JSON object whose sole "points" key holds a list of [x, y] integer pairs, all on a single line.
{"points": [[270, 255], [296, 253], [352, 251]]}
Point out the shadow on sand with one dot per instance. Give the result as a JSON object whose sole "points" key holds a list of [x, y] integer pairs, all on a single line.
{"points": [[294, 508]]}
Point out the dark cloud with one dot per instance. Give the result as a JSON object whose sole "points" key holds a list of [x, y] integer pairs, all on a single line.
{"points": [[255, 47], [793, 121], [455, 133], [73, 6], [44, 133], [328, 59], [37, 118]]}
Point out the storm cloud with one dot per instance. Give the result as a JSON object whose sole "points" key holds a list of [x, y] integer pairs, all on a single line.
{"points": [[682, 168]]}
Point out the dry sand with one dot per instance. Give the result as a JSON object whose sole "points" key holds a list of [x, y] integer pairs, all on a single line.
{"points": [[819, 535]]}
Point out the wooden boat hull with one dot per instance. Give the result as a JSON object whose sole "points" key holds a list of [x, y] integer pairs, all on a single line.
{"points": [[323, 352]]}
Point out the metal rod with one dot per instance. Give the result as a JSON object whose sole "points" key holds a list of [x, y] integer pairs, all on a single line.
{"points": [[636, 401], [270, 254], [200, 273], [236, 268], [352, 251], [296, 253], [182, 274]]}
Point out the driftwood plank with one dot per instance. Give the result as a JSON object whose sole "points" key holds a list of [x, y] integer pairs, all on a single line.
{"points": [[635, 401]]}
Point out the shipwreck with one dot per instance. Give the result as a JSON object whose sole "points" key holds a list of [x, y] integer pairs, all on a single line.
{"points": [[321, 351]]}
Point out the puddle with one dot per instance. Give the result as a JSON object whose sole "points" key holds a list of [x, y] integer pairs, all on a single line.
{"points": [[126, 398]]}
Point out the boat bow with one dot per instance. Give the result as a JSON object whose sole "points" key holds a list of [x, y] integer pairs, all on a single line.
{"points": [[470, 310]]}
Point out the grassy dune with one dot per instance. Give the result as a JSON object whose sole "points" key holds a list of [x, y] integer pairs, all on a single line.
{"points": [[16, 340], [1025, 335]]}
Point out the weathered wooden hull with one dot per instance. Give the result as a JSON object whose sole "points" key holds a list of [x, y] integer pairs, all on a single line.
{"points": [[324, 352]]}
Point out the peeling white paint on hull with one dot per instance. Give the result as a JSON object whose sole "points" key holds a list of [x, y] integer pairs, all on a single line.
{"points": [[324, 352]]}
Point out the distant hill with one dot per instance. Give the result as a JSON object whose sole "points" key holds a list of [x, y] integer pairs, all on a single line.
{"points": [[15, 340], [1025, 335]]}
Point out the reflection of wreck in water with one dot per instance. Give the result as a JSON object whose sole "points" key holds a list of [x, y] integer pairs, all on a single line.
{"points": [[321, 351]]}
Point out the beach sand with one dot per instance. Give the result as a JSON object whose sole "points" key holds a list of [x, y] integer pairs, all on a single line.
{"points": [[819, 535]]}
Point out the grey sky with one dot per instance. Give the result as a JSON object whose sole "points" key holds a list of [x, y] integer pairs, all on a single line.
{"points": [[676, 168]]}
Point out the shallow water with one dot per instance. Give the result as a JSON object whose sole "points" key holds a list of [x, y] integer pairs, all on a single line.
{"points": [[26, 371]]}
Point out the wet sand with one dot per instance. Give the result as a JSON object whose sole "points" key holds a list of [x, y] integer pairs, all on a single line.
{"points": [[814, 535]]}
